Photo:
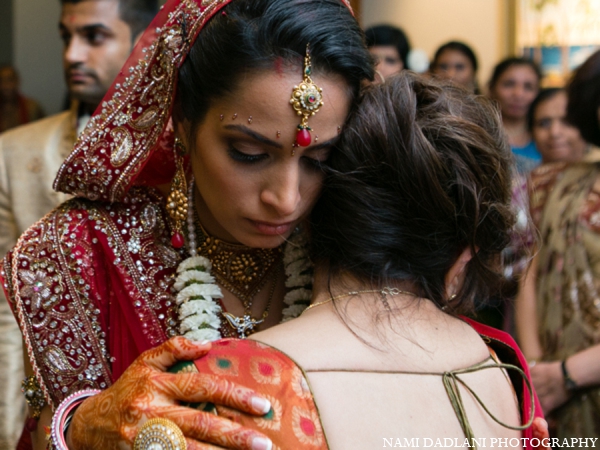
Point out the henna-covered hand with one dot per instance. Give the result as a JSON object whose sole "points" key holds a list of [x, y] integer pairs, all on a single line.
{"points": [[145, 390], [540, 431]]}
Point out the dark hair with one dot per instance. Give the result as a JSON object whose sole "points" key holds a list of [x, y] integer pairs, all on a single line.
{"points": [[507, 63], [422, 172], [136, 13], [584, 99], [459, 47], [253, 34], [543, 95], [389, 35], [465, 50]]}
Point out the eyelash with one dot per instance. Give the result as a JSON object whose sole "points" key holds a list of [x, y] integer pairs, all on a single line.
{"points": [[236, 155], [244, 158]]}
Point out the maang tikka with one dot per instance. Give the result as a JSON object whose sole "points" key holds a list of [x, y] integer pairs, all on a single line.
{"points": [[306, 101], [177, 202]]}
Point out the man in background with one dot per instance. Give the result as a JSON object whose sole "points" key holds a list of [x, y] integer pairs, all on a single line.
{"points": [[98, 37], [15, 108]]}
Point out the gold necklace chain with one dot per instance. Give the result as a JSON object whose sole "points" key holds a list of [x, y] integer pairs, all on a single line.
{"points": [[241, 270], [383, 292], [246, 324]]}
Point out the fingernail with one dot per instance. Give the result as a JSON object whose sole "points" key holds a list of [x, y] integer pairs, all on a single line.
{"points": [[260, 443], [261, 404]]}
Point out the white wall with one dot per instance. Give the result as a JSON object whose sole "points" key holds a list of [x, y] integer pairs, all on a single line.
{"points": [[37, 51], [482, 24]]}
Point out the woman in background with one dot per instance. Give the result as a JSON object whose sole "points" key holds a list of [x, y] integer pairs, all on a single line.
{"points": [[456, 61], [557, 309], [514, 85], [554, 137], [389, 46]]}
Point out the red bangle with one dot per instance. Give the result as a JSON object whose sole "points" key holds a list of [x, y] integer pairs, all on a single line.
{"points": [[64, 413]]}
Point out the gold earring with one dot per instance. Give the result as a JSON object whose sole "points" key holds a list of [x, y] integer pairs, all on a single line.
{"points": [[177, 202], [306, 100]]}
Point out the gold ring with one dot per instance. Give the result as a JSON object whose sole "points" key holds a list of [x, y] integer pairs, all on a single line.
{"points": [[160, 434]]}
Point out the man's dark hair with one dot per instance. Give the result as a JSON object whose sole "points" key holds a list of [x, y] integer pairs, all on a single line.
{"points": [[136, 13]]}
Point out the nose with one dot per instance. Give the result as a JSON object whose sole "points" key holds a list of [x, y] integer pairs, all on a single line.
{"points": [[281, 190], [75, 51], [520, 91], [556, 127], [451, 73]]}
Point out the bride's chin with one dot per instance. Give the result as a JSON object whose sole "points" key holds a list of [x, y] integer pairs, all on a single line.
{"points": [[266, 241]]}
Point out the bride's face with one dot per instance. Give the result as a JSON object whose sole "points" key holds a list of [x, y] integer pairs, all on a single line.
{"points": [[253, 185]]}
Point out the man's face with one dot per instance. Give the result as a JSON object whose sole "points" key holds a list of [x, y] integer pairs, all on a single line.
{"points": [[96, 45]]}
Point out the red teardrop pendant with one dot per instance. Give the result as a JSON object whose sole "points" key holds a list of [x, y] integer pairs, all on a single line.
{"points": [[177, 240], [303, 137]]}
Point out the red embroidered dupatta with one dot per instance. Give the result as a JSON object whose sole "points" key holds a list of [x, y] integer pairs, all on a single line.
{"points": [[90, 283]]}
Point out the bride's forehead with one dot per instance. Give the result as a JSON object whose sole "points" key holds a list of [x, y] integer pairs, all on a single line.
{"points": [[271, 90]]}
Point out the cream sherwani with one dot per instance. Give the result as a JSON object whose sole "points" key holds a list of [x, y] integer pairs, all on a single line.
{"points": [[30, 156]]}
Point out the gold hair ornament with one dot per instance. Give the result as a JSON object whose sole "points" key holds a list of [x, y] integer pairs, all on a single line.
{"points": [[306, 100]]}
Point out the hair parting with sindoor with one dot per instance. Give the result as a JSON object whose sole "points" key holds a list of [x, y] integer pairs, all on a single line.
{"points": [[253, 35], [421, 173]]}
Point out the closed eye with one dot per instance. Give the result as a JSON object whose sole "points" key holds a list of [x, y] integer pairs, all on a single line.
{"points": [[236, 155]]}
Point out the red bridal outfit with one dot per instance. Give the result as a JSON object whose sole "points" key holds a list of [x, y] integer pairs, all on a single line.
{"points": [[91, 283]]}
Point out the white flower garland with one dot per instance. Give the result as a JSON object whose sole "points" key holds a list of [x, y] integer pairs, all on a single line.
{"points": [[198, 293]]}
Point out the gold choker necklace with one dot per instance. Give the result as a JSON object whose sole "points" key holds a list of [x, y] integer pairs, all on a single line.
{"points": [[243, 271]]}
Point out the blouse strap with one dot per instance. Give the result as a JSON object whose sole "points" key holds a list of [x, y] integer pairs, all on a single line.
{"points": [[451, 381]]}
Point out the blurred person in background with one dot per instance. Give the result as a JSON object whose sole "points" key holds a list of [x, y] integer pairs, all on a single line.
{"points": [[389, 46], [98, 36], [514, 84], [556, 140], [456, 61], [557, 308], [554, 137], [15, 108]]}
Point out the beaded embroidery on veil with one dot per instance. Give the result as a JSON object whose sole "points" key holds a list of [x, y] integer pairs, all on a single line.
{"points": [[129, 140], [56, 272]]}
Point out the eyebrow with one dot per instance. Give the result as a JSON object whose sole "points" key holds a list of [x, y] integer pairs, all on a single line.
{"points": [[265, 140], [87, 28], [254, 135]]}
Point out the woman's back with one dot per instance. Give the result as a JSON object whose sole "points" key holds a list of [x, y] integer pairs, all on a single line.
{"points": [[390, 383]]}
